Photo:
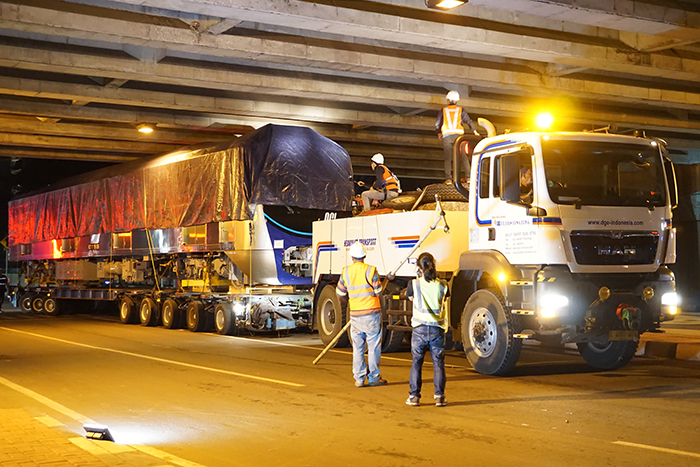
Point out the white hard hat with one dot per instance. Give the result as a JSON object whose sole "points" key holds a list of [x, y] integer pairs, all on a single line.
{"points": [[357, 250], [378, 158], [453, 96]]}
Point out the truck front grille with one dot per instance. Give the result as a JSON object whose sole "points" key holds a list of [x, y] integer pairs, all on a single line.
{"points": [[614, 247]]}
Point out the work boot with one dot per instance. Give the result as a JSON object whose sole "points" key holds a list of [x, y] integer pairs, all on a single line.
{"points": [[440, 401], [379, 382], [360, 384], [413, 401]]}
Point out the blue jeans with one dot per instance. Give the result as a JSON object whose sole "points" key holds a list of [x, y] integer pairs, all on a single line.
{"points": [[422, 339], [366, 328]]}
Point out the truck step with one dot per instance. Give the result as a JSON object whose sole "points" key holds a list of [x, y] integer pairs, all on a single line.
{"points": [[523, 336], [522, 283]]}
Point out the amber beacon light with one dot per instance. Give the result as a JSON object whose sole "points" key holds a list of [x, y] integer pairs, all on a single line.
{"points": [[444, 4]]}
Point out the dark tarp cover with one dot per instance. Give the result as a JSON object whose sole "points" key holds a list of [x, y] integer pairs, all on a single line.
{"points": [[274, 165]]}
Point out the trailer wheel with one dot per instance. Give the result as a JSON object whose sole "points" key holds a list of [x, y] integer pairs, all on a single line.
{"points": [[25, 303], [487, 333], [608, 355], [148, 311], [197, 319], [127, 311], [51, 306], [225, 320], [172, 315], [330, 317], [391, 340], [38, 304]]}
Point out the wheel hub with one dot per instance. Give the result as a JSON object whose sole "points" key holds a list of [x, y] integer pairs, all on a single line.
{"points": [[483, 332]]}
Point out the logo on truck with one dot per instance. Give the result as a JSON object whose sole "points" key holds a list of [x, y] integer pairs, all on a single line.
{"points": [[405, 242]]}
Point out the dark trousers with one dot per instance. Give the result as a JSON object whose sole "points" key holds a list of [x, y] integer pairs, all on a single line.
{"points": [[426, 338], [447, 145]]}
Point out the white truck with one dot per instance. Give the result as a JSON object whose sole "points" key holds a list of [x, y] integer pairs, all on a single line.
{"points": [[580, 256]]}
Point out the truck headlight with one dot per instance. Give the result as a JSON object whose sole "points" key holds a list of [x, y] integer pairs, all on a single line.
{"points": [[550, 304], [669, 303]]}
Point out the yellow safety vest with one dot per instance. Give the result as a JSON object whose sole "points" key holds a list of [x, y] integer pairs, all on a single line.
{"points": [[428, 301], [360, 282], [452, 121]]}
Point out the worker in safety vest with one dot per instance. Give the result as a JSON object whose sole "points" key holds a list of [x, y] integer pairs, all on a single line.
{"points": [[449, 125], [359, 285], [429, 324], [385, 186]]}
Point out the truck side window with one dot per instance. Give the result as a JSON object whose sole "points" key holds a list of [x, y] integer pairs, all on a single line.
{"points": [[497, 177], [484, 177]]}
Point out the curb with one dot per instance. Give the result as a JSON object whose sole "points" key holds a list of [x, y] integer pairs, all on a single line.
{"points": [[676, 350]]}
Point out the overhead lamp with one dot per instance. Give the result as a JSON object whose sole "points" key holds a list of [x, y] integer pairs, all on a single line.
{"points": [[145, 128], [444, 4], [101, 432]]}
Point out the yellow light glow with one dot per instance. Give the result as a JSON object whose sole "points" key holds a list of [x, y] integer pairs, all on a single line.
{"points": [[122, 235], [544, 121], [447, 4], [502, 277], [547, 313], [648, 293], [57, 253], [604, 293], [145, 128], [672, 310]]}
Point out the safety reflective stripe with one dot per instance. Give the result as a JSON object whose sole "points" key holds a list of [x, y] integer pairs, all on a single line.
{"points": [[428, 298], [389, 180], [362, 294], [452, 120]]}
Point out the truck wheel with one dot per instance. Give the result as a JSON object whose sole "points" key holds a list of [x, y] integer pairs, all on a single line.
{"points": [[127, 311], [38, 304], [51, 307], [330, 317], [197, 319], [608, 355], [391, 340], [225, 320], [172, 315], [487, 333], [148, 311], [25, 303]]}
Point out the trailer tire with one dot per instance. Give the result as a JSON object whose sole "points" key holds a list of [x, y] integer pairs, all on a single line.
{"points": [[172, 315], [608, 356], [38, 304], [148, 312], [127, 311], [391, 340], [225, 320], [487, 333], [330, 317], [52, 307], [25, 303], [197, 320]]}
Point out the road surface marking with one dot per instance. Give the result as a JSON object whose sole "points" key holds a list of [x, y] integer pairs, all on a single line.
{"points": [[655, 448], [165, 456], [163, 360], [345, 352]]}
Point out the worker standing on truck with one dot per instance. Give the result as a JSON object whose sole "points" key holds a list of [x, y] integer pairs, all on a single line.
{"points": [[449, 125], [3, 288], [359, 285], [385, 186], [429, 325]]}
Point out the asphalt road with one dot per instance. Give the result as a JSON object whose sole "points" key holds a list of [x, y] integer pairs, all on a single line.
{"points": [[256, 401]]}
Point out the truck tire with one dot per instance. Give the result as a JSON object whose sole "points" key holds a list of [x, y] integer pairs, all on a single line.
{"points": [[225, 320], [403, 202], [487, 333], [391, 340], [197, 318], [330, 317], [25, 303], [148, 312], [52, 307], [172, 315], [38, 304], [610, 355], [127, 311]]}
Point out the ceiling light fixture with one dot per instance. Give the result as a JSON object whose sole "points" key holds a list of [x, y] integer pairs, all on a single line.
{"points": [[145, 128], [444, 4]]}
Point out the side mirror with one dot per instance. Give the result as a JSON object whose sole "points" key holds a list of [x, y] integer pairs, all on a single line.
{"points": [[671, 181]]}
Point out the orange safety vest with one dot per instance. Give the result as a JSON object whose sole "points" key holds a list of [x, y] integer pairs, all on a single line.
{"points": [[389, 182], [452, 121], [360, 282]]}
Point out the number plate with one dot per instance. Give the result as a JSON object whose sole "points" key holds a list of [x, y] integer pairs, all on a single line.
{"points": [[623, 335]]}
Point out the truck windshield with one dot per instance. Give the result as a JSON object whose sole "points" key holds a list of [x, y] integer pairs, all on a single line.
{"points": [[603, 173]]}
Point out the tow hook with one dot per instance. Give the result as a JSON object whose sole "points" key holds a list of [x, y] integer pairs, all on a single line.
{"points": [[629, 316]]}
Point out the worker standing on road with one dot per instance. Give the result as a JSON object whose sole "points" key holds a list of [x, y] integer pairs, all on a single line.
{"points": [[385, 186], [429, 326], [3, 288], [359, 284], [449, 125]]}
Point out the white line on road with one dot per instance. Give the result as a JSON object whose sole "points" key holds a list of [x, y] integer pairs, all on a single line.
{"points": [[656, 448], [163, 360], [344, 352]]}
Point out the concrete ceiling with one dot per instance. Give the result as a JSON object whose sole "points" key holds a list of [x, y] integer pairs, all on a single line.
{"points": [[78, 76]]}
